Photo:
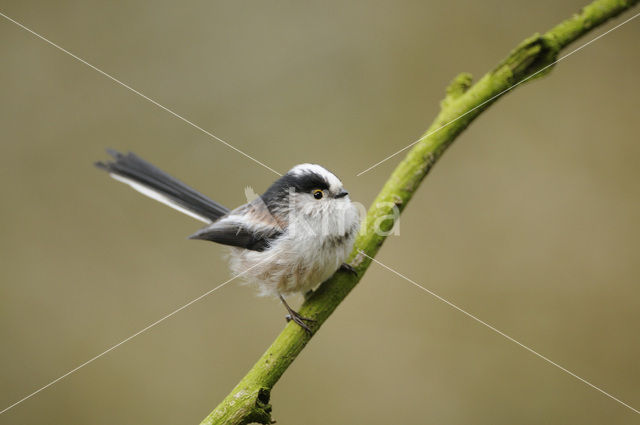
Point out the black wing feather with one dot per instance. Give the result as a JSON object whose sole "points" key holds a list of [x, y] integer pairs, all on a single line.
{"points": [[250, 226], [236, 236]]}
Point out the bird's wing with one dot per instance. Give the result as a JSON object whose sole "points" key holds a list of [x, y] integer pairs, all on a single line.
{"points": [[250, 226]]}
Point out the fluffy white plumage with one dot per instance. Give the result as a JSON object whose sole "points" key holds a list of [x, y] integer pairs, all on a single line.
{"points": [[317, 240]]}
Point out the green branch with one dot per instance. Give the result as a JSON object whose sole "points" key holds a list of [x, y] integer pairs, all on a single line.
{"points": [[249, 400]]}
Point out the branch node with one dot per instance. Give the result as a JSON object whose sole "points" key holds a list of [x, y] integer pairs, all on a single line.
{"points": [[530, 56], [261, 410], [458, 86]]}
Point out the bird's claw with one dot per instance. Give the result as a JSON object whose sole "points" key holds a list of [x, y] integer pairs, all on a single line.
{"points": [[300, 320], [345, 267]]}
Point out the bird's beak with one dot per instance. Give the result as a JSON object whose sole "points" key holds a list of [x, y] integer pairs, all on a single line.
{"points": [[342, 194]]}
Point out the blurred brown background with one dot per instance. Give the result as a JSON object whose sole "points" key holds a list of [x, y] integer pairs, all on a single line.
{"points": [[530, 221]]}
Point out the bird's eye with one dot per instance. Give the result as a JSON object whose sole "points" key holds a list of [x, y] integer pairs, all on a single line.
{"points": [[317, 194]]}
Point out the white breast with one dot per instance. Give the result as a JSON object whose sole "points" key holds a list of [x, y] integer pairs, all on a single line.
{"points": [[301, 258]]}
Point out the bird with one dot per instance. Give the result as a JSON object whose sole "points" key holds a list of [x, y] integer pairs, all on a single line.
{"points": [[288, 240]]}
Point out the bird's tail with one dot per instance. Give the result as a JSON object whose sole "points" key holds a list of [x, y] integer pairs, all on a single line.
{"points": [[156, 184]]}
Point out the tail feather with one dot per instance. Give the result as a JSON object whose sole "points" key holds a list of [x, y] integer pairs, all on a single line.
{"points": [[156, 184]]}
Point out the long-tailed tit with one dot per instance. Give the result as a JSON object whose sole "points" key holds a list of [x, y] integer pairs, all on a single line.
{"points": [[290, 239]]}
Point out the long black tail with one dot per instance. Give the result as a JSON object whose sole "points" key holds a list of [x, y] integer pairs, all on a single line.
{"points": [[155, 183]]}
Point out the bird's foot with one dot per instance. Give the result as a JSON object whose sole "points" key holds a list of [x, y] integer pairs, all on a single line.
{"points": [[297, 317], [345, 267], [300, 320]]}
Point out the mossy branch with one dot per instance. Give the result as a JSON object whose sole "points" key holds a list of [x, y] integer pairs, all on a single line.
{"points": [[248, 402]]}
